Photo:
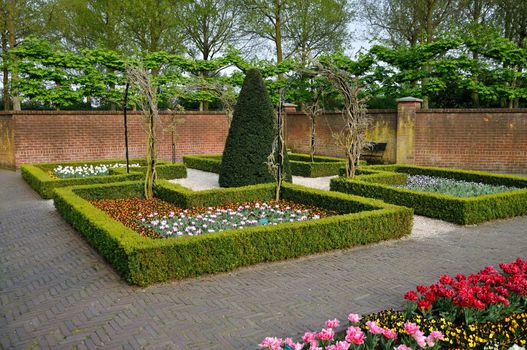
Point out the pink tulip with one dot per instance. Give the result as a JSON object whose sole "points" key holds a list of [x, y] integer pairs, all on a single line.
{"points": [[354, 318], [332, 323]]}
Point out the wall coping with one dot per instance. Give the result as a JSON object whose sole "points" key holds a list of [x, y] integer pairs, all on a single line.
{"points": [[81, 113], [473, 110], [370, 111]]}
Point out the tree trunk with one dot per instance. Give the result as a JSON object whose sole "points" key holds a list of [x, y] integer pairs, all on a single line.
{"points": [[150, 157], [12, 43], [313, 138], [278, 31], [5, 72]]}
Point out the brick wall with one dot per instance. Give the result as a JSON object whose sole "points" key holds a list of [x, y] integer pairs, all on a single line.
{"points": [[49, 136], [297, 132], [480, 139], [484, 139]]}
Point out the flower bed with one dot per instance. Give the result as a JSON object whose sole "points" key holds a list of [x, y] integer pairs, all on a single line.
{"points": [[301, 164], [378, 182], [143, 260], [159, 219], [82, 171], [487, 310], [43, 179], [458, 188]]}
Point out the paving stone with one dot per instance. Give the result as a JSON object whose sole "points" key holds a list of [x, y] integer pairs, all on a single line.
{"points": [[57, 292]]}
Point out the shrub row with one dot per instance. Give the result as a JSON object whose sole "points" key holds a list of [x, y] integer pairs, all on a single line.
{"points": [[204, 162], [301, 164], [460, 210], [143, 261], [38, 175]]}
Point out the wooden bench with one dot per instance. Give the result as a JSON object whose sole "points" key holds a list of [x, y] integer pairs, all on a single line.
{"points": [[374, 151]]}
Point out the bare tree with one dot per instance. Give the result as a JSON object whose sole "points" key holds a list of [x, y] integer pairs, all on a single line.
{"points": [[352, 137], [147, 101], [313, 110]]}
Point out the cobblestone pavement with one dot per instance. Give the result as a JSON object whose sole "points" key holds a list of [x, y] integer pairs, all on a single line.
{"points": [[56, 292]]}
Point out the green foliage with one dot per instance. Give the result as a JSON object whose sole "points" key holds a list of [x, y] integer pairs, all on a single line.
{"points": [[459, 210], [204, 162], [451, 71], [301, 165], [39, 178], [251, 136], [144, 261]]}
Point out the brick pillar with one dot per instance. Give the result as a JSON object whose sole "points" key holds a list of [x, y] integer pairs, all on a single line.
{"points": [[406, 112]]}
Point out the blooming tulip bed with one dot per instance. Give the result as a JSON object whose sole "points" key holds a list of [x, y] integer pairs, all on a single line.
{"points": [[458, 188], [82, 171], [159, 219], [487, 310]]}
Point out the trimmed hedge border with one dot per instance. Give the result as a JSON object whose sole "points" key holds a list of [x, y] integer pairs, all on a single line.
{"points": [[205, 162], [143, 261], [378, 180], [301, 164], [37, 176]]}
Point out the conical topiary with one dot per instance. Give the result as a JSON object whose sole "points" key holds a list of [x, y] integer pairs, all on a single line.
{"points": [[251, 137]]}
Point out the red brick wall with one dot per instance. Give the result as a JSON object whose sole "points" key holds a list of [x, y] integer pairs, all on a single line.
{"points": [[383, 129], [492, 139], [66, 136]]}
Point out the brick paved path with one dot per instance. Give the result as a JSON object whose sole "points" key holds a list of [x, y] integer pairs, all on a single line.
{"points": [[56, 292]]}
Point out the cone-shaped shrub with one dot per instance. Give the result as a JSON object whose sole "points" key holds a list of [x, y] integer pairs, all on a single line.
{"points": [[251, 136]]}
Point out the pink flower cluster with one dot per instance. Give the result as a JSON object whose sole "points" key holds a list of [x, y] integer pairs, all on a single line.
{"points": [[325, 338], [422, 341], [476, 291]]}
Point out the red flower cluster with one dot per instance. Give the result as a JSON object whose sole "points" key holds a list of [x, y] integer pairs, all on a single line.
{"points": [[476, 291]]}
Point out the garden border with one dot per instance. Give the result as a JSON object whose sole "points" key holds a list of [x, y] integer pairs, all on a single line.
{"points": [[36, 175], [142, 261], [377, 181], [300, 163]]}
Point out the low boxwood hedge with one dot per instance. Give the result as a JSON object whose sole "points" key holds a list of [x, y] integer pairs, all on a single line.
{"points": [[204, 162], [142, 261], [301, 164], [460, 210], [38, 175]]}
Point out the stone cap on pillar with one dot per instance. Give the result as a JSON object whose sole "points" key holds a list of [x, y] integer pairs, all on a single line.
{"points": [[409, 99], [289, 107], [411, 102]]}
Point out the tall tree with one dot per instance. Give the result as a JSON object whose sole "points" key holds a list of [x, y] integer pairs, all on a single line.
{"points": [[409, 22], [297, 27], [209, 26], [512, 18], [316, 26], [477, 15], [19, 19], [152, 25], [264, 19], [88, 23]]}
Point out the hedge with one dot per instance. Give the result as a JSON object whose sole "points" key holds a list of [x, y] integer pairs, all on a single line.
{"points": [[142, 261], [301, 164], [38, 177], [459, 210], [204, 162]]}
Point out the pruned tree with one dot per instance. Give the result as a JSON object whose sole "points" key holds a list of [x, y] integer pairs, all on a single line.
{"points": [[146, 99], [313, 110], [352, 137]]}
